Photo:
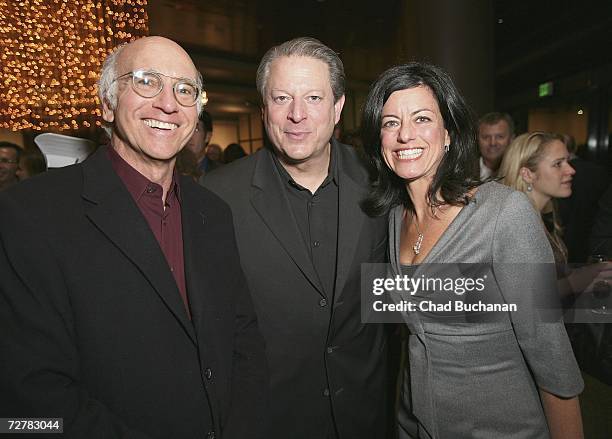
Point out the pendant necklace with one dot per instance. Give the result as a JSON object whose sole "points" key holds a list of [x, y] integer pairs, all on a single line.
{"points": [[417, 245]]}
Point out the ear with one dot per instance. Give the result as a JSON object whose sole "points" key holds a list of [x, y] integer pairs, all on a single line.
{"points": [[108, 114], [338, 109], [527, 175], [447, 139]]}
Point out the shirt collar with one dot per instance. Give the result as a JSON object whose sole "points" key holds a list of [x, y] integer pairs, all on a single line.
{"points": [[332, 170], [136, 183]]}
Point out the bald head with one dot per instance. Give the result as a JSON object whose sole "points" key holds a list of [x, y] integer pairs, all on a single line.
{"points": [[146, 51], [142, 54], [149, 92]]}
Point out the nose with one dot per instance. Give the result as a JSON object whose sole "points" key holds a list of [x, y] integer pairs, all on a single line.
{"points": [[165, 100], [297, 111], [405, 133], [569, 169]]}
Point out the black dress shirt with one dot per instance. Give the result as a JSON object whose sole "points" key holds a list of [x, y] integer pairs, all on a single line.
{"points": [[316, 215]]}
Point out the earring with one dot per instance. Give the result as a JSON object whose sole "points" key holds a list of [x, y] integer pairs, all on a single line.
{"points": [[447, 147], [529, 188]]}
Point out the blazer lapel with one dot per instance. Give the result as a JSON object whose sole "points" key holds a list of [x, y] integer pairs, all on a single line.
{"points": [[116, 215], [350, 219], [271, 203]]}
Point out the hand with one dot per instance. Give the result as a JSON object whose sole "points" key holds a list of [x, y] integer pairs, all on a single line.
{"points": [[583, 279]]}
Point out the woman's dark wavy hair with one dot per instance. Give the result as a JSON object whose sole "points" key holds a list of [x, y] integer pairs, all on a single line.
{"points": [[458, 170]]}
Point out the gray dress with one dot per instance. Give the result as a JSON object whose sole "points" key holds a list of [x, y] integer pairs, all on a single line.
{"points": [[481, 380]]}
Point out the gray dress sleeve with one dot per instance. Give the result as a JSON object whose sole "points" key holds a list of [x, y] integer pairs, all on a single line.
{"points": [[524, 269]]}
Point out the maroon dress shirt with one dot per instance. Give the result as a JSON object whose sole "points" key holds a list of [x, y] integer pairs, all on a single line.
{"points": [[163, 219]]}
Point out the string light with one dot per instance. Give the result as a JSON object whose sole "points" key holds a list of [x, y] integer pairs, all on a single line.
{"points": [[51, 52]]}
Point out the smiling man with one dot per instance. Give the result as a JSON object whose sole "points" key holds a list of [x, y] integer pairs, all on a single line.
{"points": [[123, 307], [9, 164], [495, 133], [302, 237]]}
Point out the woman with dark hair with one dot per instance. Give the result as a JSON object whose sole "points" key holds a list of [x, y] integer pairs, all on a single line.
{"points": [[493, 374]]}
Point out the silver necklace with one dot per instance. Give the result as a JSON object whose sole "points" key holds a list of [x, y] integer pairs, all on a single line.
{"points": [[417, 245]]}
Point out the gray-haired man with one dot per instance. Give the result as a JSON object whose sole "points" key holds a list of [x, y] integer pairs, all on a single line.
{"points": [[302, 237]]}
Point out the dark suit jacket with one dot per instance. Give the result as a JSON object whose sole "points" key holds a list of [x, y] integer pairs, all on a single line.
{"points": [[92, 327], [321, 357], [578, 211], [601, 234]]}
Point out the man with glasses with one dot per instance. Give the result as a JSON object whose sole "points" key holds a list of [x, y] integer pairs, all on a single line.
{"points": [[123, 307], [9, 163]]}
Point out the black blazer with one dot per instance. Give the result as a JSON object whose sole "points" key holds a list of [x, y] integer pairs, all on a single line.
{"points": [[578, 211], [92, 327], [322, 358]]}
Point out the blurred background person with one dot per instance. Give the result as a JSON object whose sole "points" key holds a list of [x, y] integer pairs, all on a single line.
{"points": [[495, 132], [192, 160], [538, 164], [9, 163], [31, 162], [202, 135], [578, 211], [187, 164], [213, 158], [233, 152]]}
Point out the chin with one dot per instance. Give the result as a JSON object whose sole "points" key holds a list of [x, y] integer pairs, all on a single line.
{"points": [[296, 154]]}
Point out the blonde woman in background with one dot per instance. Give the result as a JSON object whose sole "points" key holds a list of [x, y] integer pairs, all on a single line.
{"points": [[537, 164]]}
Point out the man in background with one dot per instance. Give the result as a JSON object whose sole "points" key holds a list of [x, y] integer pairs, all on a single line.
{"points": [[495, 132], [198, 143], [578, 211], [302, 237], [192, 161], [9, 163]]}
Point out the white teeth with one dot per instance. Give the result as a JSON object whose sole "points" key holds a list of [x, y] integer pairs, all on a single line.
{"points": [[410, 153], [159, 124]]}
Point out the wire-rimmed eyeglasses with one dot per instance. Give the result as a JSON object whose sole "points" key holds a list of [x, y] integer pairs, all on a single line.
{"points": [[148, 84]]}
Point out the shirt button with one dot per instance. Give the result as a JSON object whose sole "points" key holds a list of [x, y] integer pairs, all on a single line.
{"points": [[150, 189], [211, 435], [208, 373], [316, 244], [330, 349], [326, 392], [322, 303]]}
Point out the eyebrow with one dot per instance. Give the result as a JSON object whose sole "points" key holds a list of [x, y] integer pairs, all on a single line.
{"points": [[411, 114], [282, 90]]}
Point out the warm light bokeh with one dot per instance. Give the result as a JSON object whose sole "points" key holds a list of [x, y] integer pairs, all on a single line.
{"points": [[51, 52]]}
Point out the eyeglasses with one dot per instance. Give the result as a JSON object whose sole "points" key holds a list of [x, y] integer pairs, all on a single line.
{"points": [[149, 84], [5, 161]]}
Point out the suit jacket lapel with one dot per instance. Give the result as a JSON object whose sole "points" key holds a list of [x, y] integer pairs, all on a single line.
{"points": [[116, 215], [350, 217], [270, 202]]}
